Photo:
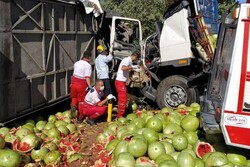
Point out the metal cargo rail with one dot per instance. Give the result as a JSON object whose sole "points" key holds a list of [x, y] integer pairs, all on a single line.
{"points": [[39, 42]]}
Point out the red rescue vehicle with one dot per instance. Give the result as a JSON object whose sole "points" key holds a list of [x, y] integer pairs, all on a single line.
{"points": [[226, 106]]}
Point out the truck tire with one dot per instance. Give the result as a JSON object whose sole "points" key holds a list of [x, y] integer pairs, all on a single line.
{"points": [[173, 91]]}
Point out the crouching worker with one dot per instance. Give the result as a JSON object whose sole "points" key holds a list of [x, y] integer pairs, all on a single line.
{"points": [[93, 106]]}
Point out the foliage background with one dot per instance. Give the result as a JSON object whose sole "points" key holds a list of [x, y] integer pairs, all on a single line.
{"points": [[148, 11]]}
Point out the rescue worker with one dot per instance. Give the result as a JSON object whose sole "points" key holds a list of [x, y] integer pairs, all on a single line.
{"points": [[93, 106], [80, 81], [120, 83], [102, 69]]}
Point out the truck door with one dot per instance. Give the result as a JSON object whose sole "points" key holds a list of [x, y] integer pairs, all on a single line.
{"points": [[125, 37]]}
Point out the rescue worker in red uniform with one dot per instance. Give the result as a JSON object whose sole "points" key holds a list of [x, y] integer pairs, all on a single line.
{"points": [[120, 83], [93, 106], [80, 81]]}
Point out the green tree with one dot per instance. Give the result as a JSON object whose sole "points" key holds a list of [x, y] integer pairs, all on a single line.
{"points": [[223, 6], [147, 11]]}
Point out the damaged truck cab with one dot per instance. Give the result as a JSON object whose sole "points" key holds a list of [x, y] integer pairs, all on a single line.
{"points": [[181, 63], [176, 58]]}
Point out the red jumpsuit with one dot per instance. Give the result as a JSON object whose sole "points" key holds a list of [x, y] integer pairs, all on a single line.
{"points": [[120, 85], [77, 93], [90, 105], [122, 97], [82, 70], [93, 111]]}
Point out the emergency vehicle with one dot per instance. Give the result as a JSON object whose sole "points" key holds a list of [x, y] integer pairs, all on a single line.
{"points": [[226, 104]]}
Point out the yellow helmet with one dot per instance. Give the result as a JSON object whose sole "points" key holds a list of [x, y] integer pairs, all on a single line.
{"points": [[100, 48]]}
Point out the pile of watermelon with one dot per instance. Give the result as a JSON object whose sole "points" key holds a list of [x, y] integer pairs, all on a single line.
{"points": [[164, 138], [43, 143], [159, 138]]}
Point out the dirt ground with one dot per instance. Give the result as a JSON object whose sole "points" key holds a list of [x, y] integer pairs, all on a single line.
{"points": [[88, 136]]}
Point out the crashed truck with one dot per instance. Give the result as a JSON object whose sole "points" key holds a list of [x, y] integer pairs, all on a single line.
{"points": [[176, 58], [41, 40], [182, 64]]}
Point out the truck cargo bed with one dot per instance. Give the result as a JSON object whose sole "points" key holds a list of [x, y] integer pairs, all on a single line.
{"points": [[39, 42]]}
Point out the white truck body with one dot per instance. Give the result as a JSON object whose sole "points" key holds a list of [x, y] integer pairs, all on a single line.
{"points": [[175, 41]]}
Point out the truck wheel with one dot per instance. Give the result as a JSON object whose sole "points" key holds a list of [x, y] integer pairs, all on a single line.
{"points": [[173, 91]]}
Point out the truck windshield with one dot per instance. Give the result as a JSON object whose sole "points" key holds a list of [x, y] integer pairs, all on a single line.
{"points": [[126, 31]]}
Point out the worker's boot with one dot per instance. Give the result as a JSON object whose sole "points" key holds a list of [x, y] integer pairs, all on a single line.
{"points": [[79, 120], [73, 111], [90, 121]]}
